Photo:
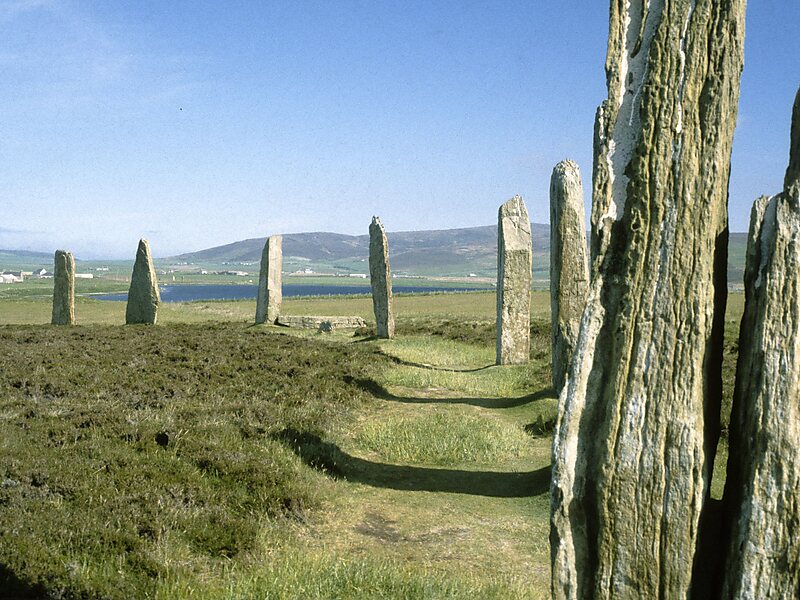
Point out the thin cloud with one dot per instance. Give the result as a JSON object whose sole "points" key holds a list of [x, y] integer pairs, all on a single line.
{"points": [[11, 9], [80, 65], [6, 230]]}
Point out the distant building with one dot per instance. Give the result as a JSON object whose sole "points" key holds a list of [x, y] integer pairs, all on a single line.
{"points": [[42, 272], [84, 275], [10, 277], [359, 275]]}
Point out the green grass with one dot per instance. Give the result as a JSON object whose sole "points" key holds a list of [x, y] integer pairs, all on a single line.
{"points": [[304, 576], [21, 304], [42, 289], [466, 306], [495, 382], [206, 458], [442, 438], [465, 367], [100, 312], [124, 447]]}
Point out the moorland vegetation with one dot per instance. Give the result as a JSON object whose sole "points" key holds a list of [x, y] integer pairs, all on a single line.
{"points": [[209, 458]]}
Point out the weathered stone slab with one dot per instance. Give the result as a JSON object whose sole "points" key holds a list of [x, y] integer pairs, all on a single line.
{"points": [[514, 264], [380, 279], [762, 489], [315, 322], [143, 294], [270, 281], [638, 421], [64, 289], [569, 268]]}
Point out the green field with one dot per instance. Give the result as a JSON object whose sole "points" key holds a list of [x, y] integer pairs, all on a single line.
{"points": [[209, 458]]}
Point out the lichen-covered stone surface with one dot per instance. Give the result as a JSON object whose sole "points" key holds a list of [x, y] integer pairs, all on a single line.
{"points": [[514, 263], [315, 322], [762, 489], [569, 269], [64, 289], [639, 416], [380, 279], [270, 281], [143, 294]]}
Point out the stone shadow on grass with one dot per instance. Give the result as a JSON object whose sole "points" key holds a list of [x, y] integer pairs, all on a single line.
{"points": [[408, 363], [331, 459], [376, 389], [12, 586]]}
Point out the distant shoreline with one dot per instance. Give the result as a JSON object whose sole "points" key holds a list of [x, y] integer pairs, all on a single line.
{"points": [[195, 292]]}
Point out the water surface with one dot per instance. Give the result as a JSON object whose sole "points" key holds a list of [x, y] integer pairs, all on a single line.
{"points": [[189, 293]]}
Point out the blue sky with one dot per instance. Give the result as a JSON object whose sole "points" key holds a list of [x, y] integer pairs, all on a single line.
{"points": [[198, 123]]}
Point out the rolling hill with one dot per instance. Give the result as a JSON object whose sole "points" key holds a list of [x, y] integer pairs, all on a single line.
{"points": [[444, 252], [16, 260]]}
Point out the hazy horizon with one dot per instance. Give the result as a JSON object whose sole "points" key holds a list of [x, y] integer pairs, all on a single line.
{"points": [[130, 256]]}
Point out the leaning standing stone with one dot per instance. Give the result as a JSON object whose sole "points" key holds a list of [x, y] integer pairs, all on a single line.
{"points": [[638, 420], [270, 281], [143, 295], [380, 279], [569, 270], [762, 489], [64, 289], [514, 263]]}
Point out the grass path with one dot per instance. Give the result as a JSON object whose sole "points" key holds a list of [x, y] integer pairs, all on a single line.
{"points": [[444, 474]]}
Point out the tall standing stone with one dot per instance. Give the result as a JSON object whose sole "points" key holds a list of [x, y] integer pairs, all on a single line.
{"points": [[380, 279], [143, 295], [270, 281], [514, 263], [762, 489], [638, 420], [569, 270], [64, 289]]}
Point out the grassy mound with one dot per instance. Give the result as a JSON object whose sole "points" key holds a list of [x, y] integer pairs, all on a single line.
{"points": [[129, 452]]}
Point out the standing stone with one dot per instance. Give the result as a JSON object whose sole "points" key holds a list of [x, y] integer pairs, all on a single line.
{"points": [[270, 281], [762, 489], [380, 279], [638, 419], [514, 263], [569, 270], [143, 295], [64, 289]]}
